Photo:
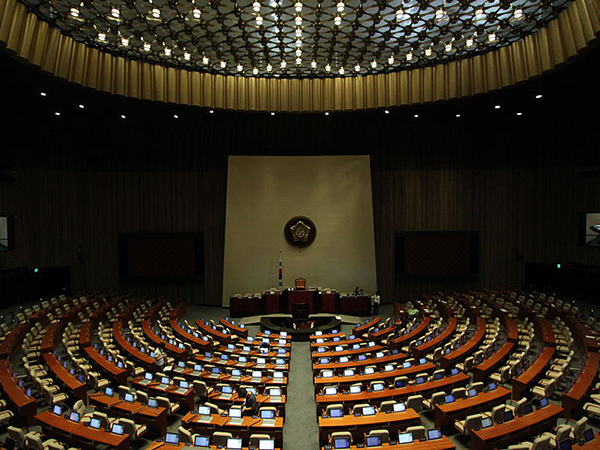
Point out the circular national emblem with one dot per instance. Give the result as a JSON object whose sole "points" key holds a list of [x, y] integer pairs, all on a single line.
{"points": [[300, 231]]}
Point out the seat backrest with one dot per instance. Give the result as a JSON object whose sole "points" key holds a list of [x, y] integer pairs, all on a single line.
{"points": [[17, 435], [418, 432], [185, 436], [383, 434], [541, 443], [219, 438], [580, 427], [415, 402]]}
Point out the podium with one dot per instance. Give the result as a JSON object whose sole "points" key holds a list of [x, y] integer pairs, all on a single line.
{"points": [[295, 296]]}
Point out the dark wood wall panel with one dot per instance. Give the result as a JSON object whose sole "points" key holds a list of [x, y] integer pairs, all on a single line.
{"points": [[522, 215]]}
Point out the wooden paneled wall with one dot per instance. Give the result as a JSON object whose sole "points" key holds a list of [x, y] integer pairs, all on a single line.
{"points": [[521, 215]]}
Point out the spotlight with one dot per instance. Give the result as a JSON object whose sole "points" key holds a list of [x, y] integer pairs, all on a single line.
{"points": [[81, 106], [538, 96], [123, 116], [497, 107], [43, 94]]}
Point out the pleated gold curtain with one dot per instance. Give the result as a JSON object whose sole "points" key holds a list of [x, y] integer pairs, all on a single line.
{"points": [[60, 55]]}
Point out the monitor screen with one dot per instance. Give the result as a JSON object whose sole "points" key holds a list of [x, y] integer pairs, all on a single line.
{"points": [[172, 438], [378, 387], [355, 389], [449, 399], [349, 372], [406, 364], [486, 422], [373, 441], [283, 334], [434, 434], [225, 389], [588, 435], [362, 357], [74, 417], [95, 423], [438, 376], [508, 416], [261, 361], [492, 386], [327, 373], [336, 412], [236, 372], [420, 380], [129, 397], [400, 383], [201, 441], [379, 355], [266, 444], [234, 444], [184, 385], [148, 376], [405, 438], [454, 371], [399, 407], [528, 408], [318, 333], [153, 403], [278, 375], [117, 429], [368, 411], [267, 414], [274, 392], [281, 351], [339, 348], [330, 390], [204, 410], [165, 380], [388, 367], [472, 392], [543, 402], [369, 370], [57, 409], [235, 412], [341, 443], [256, 374], [565, 445], [321, 350]]}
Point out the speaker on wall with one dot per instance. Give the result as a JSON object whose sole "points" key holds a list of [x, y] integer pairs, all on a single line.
{"points": [[437, 255], [161, 257]]}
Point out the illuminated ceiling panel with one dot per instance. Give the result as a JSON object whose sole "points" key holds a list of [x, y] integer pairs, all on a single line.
{"points": [[308, 39]]}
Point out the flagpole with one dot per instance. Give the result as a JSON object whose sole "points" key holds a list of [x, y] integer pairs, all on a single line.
{"points": [[280, 271]]}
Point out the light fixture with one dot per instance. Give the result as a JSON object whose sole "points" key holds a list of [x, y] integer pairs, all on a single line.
{"points": [[123, 116], [428, 51], [186, 56], [409, 56], [255, 71], [374, 64], [298, 6], [43, 94], [448, 47], [81, 106], [283, 64], [298, 32], [391, 60], [298, 61], [259, 20], [492, 37], [518, 13], [298, 53], [156, 13], [519, 114], [272, 113], [211, 111], [147, 46], [240, 67], [175, 116], [167, 51], [386, 111], [256, 6], [196, 13], [337, 21], [57, 113], [497, 107], [269, 67], [458, 115], [74, 12], [538, 96], [326, 113], [328, 67], [470, 42], [204, 60], [313, 64], [223, 64], [341, 71], [357, 68], [340, 6], [102, 37], [416, 116], [124, 42], [298, 20], [115, 13]]}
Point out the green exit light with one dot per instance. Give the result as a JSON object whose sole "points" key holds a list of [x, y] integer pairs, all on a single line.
{"points": [[558, 266], [36, 270]]}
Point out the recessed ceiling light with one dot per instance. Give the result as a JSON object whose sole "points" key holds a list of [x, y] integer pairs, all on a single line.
{"points": [[387, 111], [57, 113], [272, 113], [416, 116], [326, 113], [81, 106], [211, 111], [43, 94], [175, 116], [539, 96], [519, 114], [458, 115], [123, 116], [497, 106]]}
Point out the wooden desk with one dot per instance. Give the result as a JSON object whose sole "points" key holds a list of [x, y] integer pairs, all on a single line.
{"points": [[376, 397], [24, 405], [180, 354], [512, 331], [438, 444], [505, 434], [85, 339], [486, 367], [356, 363], [156, 445], [378, 336], [270, 364], [185, 400], [461, 408], [426, 347], [336, 343], [64, 377], [418, 330], [154, 418], [340, 380], [355, 351], [13, 340], [572, 399], [546, 331], [195, 341], [249, 426], [142, 358], [523, 382], [215, 334], [359, 330], [313, 337], [108, 369], [351, 305], [465, 350], [85, 436], [263, 400], [358, 425], [235, 329], [592, 445]]}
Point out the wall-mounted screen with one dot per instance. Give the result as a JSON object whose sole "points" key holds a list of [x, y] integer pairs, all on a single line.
{"points": [[7, 233], [590, 235], [439, 255], [161, 257]]}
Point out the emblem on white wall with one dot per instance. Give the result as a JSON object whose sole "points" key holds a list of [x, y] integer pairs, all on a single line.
{"points": [[300, 231]]}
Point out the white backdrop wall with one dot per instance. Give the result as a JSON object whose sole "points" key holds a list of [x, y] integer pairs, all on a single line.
{"points": [[264, 192]]}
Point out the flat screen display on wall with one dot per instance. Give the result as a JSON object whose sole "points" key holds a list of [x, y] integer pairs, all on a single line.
{"points": [[161, 257], [437, 255], [590, 234]]}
